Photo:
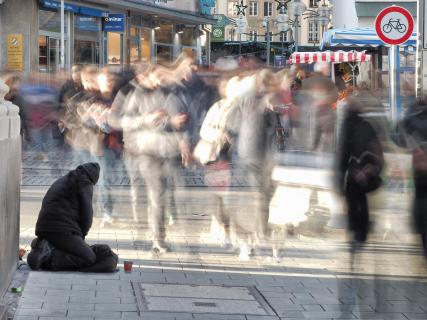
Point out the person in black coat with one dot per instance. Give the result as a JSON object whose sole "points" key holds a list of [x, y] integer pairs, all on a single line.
{"points": [[360, 162], [64, 221], [415, 127]]}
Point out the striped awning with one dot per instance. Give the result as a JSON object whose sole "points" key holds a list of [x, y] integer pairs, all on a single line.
{"points": [[365, 37], [329, 56]]}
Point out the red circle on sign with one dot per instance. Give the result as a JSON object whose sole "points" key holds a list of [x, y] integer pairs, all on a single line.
{"points": [[379, 30]]}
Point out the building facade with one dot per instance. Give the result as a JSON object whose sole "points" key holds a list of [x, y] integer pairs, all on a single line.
{"points": [[100, 32], [310, 32]]}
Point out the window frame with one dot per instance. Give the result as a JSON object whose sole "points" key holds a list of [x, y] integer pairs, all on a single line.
{"points": [[269, 8], [253, 8], [283, 36], [233, 11], [313, 32]]}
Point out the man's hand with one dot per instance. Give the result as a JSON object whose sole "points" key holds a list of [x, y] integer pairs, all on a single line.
{"points": [[186, 155], [360, 177], [178, 122], [156, 118]]}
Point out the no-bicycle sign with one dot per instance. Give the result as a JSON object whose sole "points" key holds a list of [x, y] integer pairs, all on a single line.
{"points": [[394, 25]]}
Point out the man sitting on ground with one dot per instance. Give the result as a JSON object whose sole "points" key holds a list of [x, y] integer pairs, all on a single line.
{"points": [[63, 223]]}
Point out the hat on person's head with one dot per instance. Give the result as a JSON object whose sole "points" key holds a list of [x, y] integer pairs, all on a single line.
{"points": [[92, 170]]}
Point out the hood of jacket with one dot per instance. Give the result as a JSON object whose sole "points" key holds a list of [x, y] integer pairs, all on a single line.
{"points": [[92, 170]]}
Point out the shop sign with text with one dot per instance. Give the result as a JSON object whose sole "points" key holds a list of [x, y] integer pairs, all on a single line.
{"points": [[15, 52], [114, 23]]}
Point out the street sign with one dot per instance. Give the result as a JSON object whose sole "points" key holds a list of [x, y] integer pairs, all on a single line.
{"points": [[394, 25], [241, 24]]}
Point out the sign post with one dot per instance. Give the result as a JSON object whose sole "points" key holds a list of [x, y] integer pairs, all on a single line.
{"points": [[421, 67], [394, 26]]}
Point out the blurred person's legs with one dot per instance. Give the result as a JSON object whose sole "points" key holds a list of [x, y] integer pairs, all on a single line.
{"points": [[153, 172], [131, 163], [41, 137], [106, 162], [173, 180], [420, 212], [358, 213]]}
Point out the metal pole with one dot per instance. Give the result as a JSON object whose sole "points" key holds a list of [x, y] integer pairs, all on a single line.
{"points": [[394, 80], [296, 33], [62, 53], [240, 44], [268, 42]]}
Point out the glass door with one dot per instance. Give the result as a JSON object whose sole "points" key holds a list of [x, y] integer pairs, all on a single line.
{"points": [[49, 54], [53, 55]]}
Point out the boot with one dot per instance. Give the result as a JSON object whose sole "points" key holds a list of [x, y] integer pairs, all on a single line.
{"points": [[41, 251]]}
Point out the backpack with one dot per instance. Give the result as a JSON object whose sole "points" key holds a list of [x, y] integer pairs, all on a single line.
{"points": [[106, 260]]}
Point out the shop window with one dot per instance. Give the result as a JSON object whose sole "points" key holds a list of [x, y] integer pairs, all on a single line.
{"points": [[253, 35], [51, 21], [134, 45], [164, 34], [86, 40], [313, 32], [231, 34], [145, 44], [164, 54], [268, 9], [187, 37], [253, 8], [114, 48]]}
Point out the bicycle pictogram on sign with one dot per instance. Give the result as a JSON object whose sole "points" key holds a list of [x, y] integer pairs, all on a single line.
{"points": [[394, 24]]}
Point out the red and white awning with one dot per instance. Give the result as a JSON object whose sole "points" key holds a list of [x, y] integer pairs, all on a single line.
{"points": [[329, 56]]}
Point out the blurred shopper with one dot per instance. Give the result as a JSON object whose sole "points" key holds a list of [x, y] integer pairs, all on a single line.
{"points": [[360, 162], [89, 134], [214, 150], [321, 94], [40, 104], [63, 223], [153, 120], [253, 126], [415, 126], [72, 86], [14, 95]]}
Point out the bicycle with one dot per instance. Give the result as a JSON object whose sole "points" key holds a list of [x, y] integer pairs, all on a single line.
{"points": [[394, 24]]}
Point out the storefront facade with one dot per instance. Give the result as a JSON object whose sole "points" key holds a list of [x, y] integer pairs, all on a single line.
{"points": [[109, 33]]}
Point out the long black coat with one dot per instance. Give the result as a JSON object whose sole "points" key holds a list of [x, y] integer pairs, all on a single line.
{"points": [[356, 138], [67, 205]]}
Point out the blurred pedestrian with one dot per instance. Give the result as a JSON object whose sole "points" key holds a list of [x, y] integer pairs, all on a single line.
{"points": [[415, 126], [15, 96], [360, 162]]}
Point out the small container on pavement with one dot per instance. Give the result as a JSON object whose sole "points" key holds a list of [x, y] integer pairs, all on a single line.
{"points": [[128, 266], [16, 289]]}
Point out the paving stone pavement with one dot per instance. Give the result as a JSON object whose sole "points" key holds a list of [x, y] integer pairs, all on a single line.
{"points": [[316, 278]]}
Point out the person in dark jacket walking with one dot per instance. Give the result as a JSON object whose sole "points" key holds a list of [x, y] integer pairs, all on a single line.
{"points": [[360, 161], [64, 221], [415, 127]]}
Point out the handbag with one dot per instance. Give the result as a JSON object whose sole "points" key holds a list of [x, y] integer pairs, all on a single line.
{"points": [[373, 180], [206, 152]]}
